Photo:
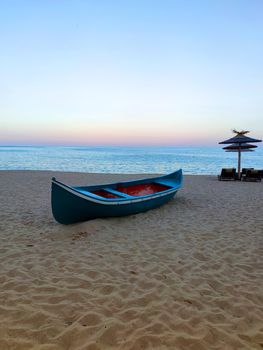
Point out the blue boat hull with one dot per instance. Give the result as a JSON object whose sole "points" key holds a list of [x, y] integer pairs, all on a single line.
{"points": [[75, 204]]}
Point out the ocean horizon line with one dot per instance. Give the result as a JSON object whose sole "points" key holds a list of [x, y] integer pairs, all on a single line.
{"points": [[113, 145]]}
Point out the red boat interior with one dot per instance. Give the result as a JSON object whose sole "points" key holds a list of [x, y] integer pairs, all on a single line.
{"points": [[134, 190], [142, 189], [105, 194]]}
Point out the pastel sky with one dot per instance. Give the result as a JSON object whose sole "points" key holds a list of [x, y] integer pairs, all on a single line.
{"points": [[86, 72]]}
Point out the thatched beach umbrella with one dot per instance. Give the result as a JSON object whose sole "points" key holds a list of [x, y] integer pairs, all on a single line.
{"points": [[242, 146], [239, 143], [243, 150]]}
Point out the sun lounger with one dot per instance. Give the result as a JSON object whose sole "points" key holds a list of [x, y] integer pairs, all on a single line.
{"points": [[244, 171], [253, 175], [228, 174]]}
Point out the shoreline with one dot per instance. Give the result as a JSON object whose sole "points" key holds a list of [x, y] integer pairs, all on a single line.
{"points": [[91, 173], [185, 275]]}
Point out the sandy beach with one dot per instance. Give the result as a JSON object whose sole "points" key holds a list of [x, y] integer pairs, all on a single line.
{"points": [[188, 275]]}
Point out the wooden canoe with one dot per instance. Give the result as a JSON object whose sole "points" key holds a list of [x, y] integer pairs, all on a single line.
{"points": [[74, 204]]}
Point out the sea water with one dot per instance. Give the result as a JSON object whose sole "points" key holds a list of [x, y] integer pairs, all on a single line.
{"points": [[193, 160]]}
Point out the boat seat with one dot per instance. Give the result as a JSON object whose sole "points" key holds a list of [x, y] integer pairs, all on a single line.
{"points": [[87, 193], [110, 190], [120, 194], [165, 182]]}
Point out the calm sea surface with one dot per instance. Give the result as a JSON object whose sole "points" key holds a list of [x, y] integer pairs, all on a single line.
{"points": [[193, 160]]}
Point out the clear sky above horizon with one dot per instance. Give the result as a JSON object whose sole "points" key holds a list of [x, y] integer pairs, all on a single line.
{"points": [[130, 72]]}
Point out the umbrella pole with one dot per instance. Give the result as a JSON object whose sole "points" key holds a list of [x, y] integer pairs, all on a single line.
{"points": [[239, 163]]}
